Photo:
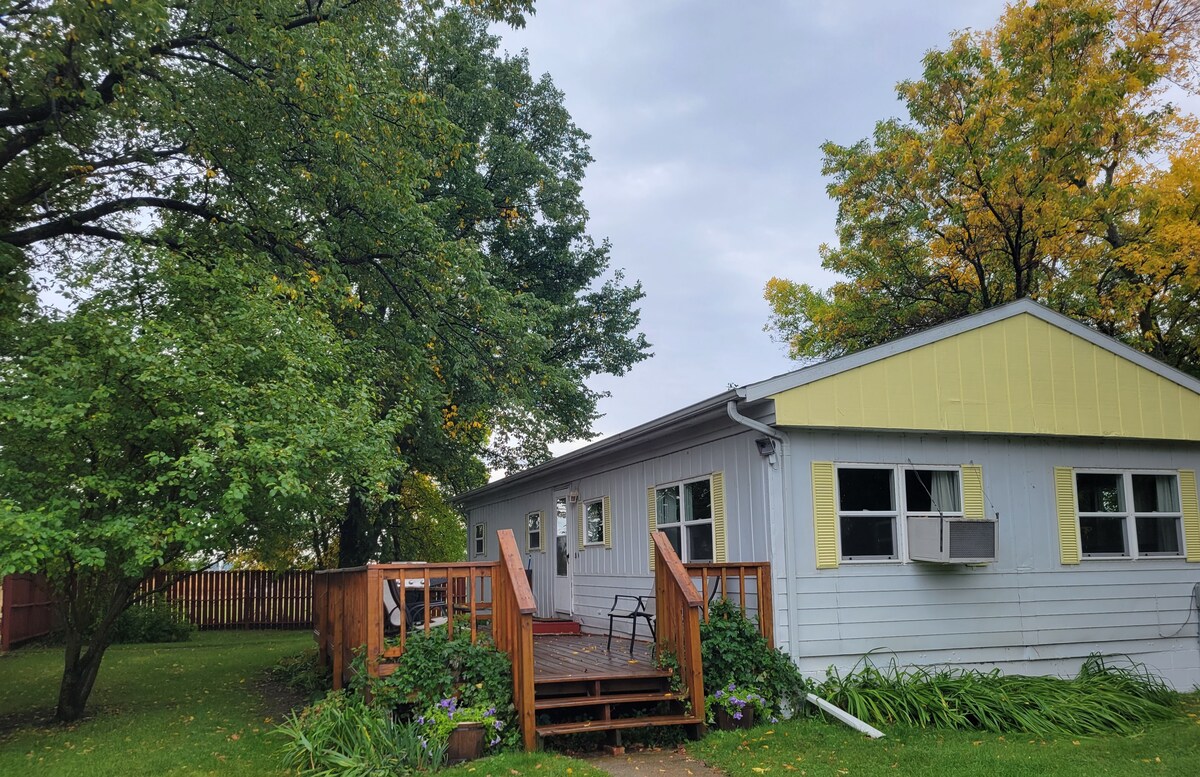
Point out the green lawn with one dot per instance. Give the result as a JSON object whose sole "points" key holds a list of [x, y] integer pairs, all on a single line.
{"points": [[815, 747], [189, 708]]}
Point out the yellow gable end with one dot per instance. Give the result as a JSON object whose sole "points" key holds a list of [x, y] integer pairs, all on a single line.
{"points": [[1020, 375]]}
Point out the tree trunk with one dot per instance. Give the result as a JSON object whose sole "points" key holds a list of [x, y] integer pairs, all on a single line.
{"points": [[355, 540], [81, 667]]}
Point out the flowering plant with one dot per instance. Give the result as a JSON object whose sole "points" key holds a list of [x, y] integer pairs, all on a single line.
{"points": [[735, 701], [443, 717]]}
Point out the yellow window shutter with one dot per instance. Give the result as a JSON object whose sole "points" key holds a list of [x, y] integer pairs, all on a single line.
{"points": [[607, 522], [718, 513], [825, 514], [652, 522], [972, 485], [1068, 523], [581, 534], [1191, 513]]}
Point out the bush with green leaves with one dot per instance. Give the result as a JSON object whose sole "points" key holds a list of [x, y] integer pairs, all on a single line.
{"points": [[153, 620], [343, 735], [1105, 696], [436, 666], [439, 720], [734, 651], [303, 673]]}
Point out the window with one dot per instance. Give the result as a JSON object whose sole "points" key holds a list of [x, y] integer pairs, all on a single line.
{"points": [[684, 512], [870, 507], [593, 522], [533, 531], [480, 533], [1128, 514]]}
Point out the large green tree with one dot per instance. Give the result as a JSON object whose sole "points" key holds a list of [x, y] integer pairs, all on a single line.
{"points": [[381, 149], [182, 409], [1041, 158]]}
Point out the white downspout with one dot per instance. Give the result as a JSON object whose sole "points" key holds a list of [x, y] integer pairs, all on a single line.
{"points": [[777, 515]]}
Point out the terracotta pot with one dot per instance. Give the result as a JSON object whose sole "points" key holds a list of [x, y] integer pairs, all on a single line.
{"points": [[465, 743], [726, 721]]}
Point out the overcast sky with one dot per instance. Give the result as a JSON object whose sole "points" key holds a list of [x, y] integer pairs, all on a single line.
{"points": [[706, 121]]}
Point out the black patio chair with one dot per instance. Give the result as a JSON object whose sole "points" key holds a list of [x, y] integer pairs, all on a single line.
{"points": [[641, 609]]}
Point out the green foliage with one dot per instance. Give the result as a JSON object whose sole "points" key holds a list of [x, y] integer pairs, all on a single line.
{"points": [[1042, 158], [735, 652], [1104, 697], [735, 701], [439, 720], [303, 673], [435, 667], [153, 620], [342, 735]]}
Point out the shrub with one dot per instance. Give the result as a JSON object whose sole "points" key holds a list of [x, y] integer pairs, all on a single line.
{"points": [[302, 673], [735, 651], [1104, 697], [153, 620], [342, 735]]}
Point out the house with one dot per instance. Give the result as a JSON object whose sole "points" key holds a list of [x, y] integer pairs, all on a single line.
{"points": [[1043, 474]]}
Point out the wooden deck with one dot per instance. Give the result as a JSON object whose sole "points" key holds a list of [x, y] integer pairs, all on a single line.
{"points": [[561, 658]]}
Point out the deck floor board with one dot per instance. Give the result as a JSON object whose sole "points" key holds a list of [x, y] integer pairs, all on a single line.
{"points": [[584, 657]]}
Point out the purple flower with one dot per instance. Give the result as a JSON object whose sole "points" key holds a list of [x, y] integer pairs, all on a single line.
{"points": [[494, 741], [421, 721], [737, 715], [491, 711], [498, 725], [774, 719], [718, 694]]}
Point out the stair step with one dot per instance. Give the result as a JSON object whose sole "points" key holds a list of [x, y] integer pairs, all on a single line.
{"points": [[602, 675], [608, 725], [593, 701]]}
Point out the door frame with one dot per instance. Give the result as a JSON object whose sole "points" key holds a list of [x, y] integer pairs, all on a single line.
{"points": [[563, 586]]}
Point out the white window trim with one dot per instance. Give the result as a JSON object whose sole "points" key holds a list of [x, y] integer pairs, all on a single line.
{"points": [[899, 514], [1129, 516], [593, 543], [480, 538], [541, 532], [683, 523]]}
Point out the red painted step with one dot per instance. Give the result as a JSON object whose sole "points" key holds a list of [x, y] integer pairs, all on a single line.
{"points": [[555, 626]]}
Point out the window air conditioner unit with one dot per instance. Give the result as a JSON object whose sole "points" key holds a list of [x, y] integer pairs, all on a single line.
{"points": [[951, 540]]}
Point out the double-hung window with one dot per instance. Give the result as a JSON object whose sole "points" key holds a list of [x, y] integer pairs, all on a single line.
{"points": [[533, 530], [480, 534], [684, 512], [593, 522], [1128, 514], [873, 500]]}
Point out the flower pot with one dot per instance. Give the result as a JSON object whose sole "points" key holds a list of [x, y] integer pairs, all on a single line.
{"points": [[726, 721], [465, 743]]}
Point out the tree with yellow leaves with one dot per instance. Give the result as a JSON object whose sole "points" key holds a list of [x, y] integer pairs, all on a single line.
{"points": [[1042, 158]]}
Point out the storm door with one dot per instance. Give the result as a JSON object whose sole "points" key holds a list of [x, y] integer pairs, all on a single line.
{"points": [[563, 588]]}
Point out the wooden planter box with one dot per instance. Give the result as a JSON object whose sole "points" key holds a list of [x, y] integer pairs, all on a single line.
{"points": [[726, 721], [465, 743]]}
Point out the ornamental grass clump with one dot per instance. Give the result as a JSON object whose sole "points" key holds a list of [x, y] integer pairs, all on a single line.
{"points": [[1104, 698]]}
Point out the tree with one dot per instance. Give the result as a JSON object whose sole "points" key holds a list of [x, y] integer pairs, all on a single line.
{"points": [[1040, 159], [178, 410]]}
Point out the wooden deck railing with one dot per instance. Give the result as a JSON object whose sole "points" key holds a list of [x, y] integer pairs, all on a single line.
{"points": [[678, 607], [349, 614], [746, 583], [513, 630]]}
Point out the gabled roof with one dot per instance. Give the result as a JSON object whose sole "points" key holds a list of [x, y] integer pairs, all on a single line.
{"points": [[800, 377], [1015, 369]]}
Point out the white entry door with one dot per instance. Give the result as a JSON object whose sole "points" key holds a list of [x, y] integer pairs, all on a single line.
{"points": [[564, 592]]}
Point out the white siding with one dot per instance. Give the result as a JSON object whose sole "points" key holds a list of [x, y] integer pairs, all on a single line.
{"points": [[1026, 612], [600, 573]]}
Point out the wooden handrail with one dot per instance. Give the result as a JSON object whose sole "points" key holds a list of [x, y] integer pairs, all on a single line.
{"points": [[678, 619], [513, 630], [742, 574]]}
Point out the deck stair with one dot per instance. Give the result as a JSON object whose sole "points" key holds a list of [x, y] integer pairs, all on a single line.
{"points": [[581, 687]]}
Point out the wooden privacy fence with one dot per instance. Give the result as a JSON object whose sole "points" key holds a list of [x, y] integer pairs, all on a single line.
{"points": [[26, 610], [239, 599], [746, 584]]}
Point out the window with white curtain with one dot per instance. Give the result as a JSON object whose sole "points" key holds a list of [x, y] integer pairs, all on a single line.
{"points": [[1128, 514], [872, 508]]}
